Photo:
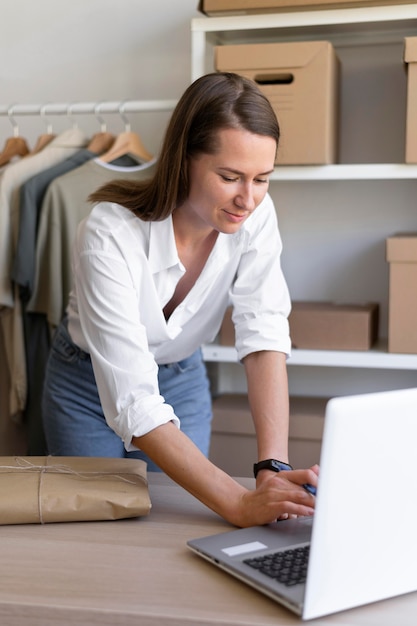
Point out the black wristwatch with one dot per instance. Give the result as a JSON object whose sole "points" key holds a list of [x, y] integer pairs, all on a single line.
{"points": [[271, 464]]}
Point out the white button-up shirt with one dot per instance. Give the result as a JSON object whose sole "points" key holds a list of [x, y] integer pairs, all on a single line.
{"points": [[125, 272]]}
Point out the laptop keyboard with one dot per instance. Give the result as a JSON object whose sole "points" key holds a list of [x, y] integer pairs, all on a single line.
{"points": [[287, 566]]}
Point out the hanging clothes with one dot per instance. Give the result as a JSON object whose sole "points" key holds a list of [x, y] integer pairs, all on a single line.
{"points": [[64, 206], [30, 201], [23, 274], [13, 438], [43, 197], [11, 178]]}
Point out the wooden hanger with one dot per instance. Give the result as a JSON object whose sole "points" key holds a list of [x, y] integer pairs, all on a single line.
{"points": [[42, 141], [45, 138], [100, 142], [126, 142], [14, 146]]}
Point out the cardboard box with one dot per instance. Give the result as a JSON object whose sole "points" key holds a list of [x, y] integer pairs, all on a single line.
{"points": [[301, 80], [233, 440], [331, 326], [234, 7], [402, 307], [410, 58]]}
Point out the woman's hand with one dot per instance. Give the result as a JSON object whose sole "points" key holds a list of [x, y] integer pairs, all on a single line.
{"points": [[277, 496], [297, 477]]}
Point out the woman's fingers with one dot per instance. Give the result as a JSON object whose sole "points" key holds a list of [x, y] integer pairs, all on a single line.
{"points": [[275, 499], [302, 477]]}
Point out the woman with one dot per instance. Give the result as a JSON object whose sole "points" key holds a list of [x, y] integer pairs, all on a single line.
{"points": [[155, 265]]}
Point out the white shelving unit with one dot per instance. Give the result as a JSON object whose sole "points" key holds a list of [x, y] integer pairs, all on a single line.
{"points": [[377, 358], [351, 26], [349, 30], [367, 171]]}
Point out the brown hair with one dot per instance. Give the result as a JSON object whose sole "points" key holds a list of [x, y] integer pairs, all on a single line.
{"points": [[212, 102]]}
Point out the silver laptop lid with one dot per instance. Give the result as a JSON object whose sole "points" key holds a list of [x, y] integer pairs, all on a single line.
{"points": [[364, 545]]}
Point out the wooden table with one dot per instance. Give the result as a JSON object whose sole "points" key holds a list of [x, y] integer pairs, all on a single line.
{"points": [[140, 572]]}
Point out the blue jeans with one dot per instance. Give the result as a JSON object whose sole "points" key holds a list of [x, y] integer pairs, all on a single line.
{"points": [[73, 419]]}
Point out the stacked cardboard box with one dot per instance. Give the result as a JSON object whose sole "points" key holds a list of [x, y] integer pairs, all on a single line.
{"points": [[410, 58], [301, 80], [332, 326], [402, 307]]}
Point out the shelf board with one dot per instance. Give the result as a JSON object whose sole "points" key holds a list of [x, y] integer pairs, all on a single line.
{"points": [[362, 171], [395, 14], [219, 354], [377, 358]]}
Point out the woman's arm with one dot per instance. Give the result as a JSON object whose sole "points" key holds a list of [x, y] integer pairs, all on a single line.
{"points": [[178, 457], [276, 495], [266, 374]]}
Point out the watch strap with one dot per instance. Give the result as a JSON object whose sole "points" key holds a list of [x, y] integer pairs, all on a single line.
{"points": [[271, 464]]}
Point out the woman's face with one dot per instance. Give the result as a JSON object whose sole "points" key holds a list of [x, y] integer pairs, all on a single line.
{"points": [[226, 187]]}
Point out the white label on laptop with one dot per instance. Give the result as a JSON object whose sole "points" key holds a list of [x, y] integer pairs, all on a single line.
{"points": [[244, 548]]}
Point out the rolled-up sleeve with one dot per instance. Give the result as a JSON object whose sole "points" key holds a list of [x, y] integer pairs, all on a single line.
{"points": [[259, 295], [126, 373]]}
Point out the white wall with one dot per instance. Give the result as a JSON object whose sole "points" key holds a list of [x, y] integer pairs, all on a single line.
{"points": [[93, 50]]}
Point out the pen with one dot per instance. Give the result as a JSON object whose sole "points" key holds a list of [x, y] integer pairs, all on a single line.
{"points": [[310, 488]]}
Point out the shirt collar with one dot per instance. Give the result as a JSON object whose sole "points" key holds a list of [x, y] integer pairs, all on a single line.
{"points": [[162, 248]]}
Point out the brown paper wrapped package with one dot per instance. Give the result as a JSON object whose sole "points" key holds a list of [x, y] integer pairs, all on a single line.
{"points": [[40, 490]]}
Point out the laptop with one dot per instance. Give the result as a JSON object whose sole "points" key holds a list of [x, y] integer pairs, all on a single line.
{"points": [[361, 540]]}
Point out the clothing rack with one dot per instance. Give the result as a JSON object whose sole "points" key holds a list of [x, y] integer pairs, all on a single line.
{"points": [[85, 108]]}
